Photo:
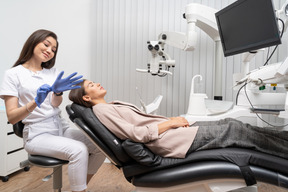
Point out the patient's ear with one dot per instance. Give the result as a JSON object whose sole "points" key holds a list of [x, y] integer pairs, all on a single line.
{"points": [[86, 98]]}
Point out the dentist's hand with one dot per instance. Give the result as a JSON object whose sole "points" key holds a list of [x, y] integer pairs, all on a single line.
{"points": [[67, 83], [42, 93]]}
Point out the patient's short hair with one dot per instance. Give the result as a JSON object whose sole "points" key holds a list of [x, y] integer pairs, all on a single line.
{"points": [[76, 95]]}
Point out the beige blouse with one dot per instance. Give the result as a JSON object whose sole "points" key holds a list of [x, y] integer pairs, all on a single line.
{"points": [[127, 121]]}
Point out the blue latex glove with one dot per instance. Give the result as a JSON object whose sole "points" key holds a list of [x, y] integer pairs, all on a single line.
{"points": [[42, 93], [67, 83]]}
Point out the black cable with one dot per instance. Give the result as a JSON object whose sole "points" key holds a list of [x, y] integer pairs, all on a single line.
{"points": [[268, 53], [276, 45], [239, 92], [283, 25]]}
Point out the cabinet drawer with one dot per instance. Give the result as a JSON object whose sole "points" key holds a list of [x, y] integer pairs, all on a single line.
{"points": [[14, 159], [13, 142], [8, 127]]}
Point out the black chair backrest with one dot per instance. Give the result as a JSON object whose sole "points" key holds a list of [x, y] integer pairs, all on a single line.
{"points": [[107, 141], [18, 129]]}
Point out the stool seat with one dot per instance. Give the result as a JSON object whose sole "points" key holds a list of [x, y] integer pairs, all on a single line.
{"points": [[46, 161]]}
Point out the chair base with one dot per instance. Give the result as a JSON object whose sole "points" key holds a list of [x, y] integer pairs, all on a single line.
{"points": [[57, 178], [213, 185]]}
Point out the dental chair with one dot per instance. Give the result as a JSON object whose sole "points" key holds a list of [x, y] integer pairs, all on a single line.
{"points": [[44, 161], [217, 170]]}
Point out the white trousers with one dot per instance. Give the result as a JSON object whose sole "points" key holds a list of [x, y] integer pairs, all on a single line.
{"points": [[68, 144]]}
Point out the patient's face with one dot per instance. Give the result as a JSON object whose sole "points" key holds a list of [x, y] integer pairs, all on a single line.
{"points": [[94, 90]]}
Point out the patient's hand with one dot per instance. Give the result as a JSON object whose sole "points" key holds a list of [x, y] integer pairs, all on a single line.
{"points": [[179, 122], [172, 123]]}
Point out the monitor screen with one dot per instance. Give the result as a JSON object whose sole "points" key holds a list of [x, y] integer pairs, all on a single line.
{"points": [[247, 25]]}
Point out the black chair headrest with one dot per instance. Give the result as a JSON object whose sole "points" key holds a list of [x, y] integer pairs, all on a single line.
{"points": [[74, 111]]}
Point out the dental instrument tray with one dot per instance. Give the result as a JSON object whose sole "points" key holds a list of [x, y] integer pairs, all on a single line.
{"points": [[266, 111]]}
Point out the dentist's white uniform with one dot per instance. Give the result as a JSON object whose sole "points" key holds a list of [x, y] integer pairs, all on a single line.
{"points": [[46, 132]]}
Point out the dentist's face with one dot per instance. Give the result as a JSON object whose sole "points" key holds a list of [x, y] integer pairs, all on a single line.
{"points": [[94, 90], [44, 51]]}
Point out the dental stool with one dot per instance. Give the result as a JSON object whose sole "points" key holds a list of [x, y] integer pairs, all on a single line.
{"points": [[44, 161]]}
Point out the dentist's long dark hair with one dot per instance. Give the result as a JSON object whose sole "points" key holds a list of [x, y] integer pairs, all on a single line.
{"points": [[28, 48]]}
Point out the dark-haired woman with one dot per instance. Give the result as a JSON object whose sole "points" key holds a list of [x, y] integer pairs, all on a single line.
{"points": [[32, 91]]}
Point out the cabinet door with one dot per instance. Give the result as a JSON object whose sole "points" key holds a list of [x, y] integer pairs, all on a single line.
{"points": [[11, 148], [14, 159], [13, 143]]}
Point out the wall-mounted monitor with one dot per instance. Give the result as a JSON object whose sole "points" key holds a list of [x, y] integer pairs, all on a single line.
{"points": [[247, 25]]}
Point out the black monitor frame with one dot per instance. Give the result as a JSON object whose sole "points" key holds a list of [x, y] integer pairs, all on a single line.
{"points": [[242, 24]]}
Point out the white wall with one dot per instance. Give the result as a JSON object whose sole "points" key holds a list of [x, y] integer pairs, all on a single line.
{"points": [[69, 19]]}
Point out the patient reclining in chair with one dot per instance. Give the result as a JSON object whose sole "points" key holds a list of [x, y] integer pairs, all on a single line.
{"points": [[175, 137]]}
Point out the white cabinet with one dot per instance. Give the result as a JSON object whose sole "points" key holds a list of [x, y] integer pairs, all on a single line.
{"points": [[11, 148]]}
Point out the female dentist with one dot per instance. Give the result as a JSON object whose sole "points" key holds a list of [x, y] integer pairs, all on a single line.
{"points": [[32, 90]]}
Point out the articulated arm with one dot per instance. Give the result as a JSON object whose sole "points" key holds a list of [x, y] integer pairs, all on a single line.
{"points": [[196, 15]]}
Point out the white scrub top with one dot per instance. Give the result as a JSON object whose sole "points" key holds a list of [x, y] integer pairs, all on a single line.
{"points": [[23, 83]]}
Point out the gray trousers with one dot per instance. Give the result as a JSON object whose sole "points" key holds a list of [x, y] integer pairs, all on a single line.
{"points": [[233, 133]]}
